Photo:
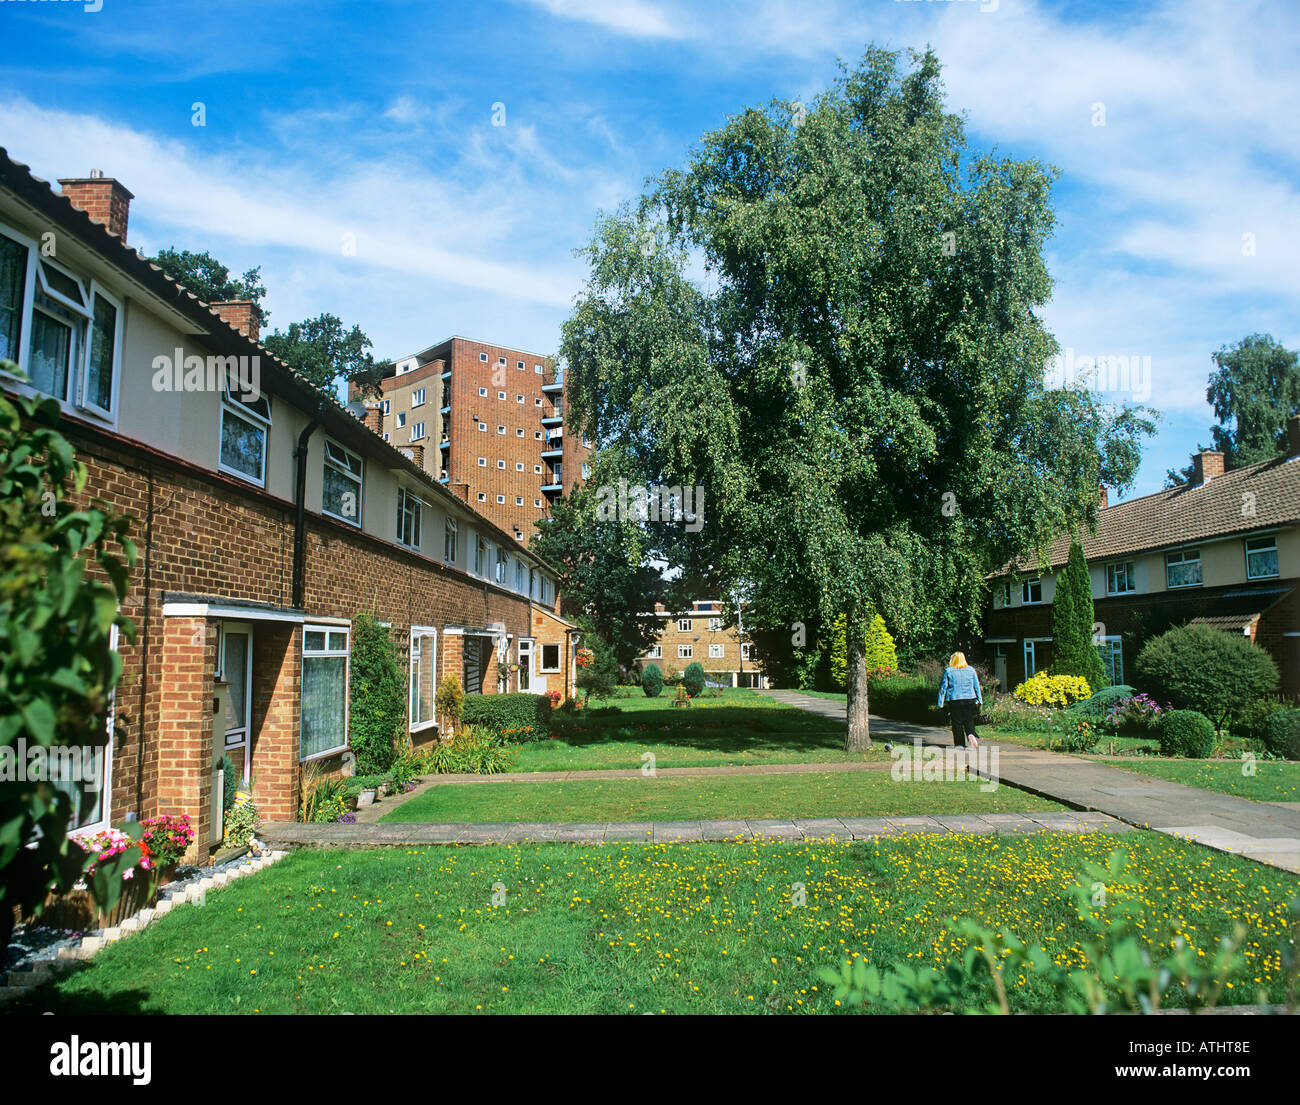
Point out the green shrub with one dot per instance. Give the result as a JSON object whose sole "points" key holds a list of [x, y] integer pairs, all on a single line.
{"points": [[652, 681], [1251, 719], [378, 710], [1196, 667], [1281, 733], [449, 699], [406, 766], [1077, 734], [526, 715], [1098, 706], [1009, 712], [240, 824], [472, 751], [693, 678], [906, 698], [229, 783], [1187, 733]]}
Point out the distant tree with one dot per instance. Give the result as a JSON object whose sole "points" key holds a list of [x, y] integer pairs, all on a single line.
{"points": [[209, 279], [322, 351], [880, 645], [1254, 390], [1072, 622]]}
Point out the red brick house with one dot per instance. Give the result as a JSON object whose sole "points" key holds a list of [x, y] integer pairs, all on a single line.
{"points": [[1223, 550], [267, 515]]}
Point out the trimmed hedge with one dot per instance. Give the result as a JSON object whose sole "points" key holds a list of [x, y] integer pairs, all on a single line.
{"points": [[510, 713], [1187, 733], [1197, 667], [906, 698], [1282, 733], [652, 681], [693, 678]]}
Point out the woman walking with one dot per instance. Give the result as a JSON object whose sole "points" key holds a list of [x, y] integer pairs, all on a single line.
{"points": [[960, 689]]}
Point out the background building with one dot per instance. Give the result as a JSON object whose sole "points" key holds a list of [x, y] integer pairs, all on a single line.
{"points": [[702, 633], [487, 421]]}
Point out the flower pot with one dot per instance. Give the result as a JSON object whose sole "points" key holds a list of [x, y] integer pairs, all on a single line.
{"points": [[366, 798]]}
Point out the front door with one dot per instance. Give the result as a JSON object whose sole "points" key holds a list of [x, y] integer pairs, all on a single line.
{"points": [[1000, 667], [525, 665], [236, 668]]}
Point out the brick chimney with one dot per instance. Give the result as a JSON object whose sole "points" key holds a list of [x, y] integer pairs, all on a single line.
{"points": [[415, 453], [374, 418], [1293, 436], [102, 198], [1205, 466], [242, 314], [1103, 498]]}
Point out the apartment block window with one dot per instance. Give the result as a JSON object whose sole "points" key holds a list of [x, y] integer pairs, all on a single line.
{"points": [[1031, 591], [482, 496], [519, 432], [245, 419], [424, 639], [323, 725], [717, 652], [519, 466], [656, 652], [480, 554], [715, 624], [417, 397], [1183, 568], [482, 462], [538, 401], [408, 518], [1261, 558], [483, 392], [503, 559], [1120, 578], [586, 471], [401, 419], [341, 490], [501, 464], [537, 435], [684, 625], [501, 499], [747, 651], [501, 394], [538, 369], [519, 500], [519, 398], [550, 659], [449, 533], [387, 405], [501, 429], [482, 357], [501, 360], [537, 502], [519, 365], [385, 435], [482, 427], [417, 431], [685, 652]]}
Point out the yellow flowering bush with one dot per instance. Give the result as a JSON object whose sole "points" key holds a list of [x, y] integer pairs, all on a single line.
{"points": [[1056, 691]]}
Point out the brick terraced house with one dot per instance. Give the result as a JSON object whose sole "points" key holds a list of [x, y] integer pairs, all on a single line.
{"points": [[1222, 550], [267, 516], [704, 633], [486, 421]]}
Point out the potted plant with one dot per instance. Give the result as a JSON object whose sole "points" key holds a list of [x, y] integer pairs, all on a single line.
{"points": [[166, 839]]}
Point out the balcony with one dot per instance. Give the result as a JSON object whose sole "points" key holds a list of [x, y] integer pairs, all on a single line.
{"points": [[552, 444], [553, 380], [554, 477], [554, 414]]}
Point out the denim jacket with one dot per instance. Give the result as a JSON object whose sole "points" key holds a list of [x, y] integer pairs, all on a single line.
{"points": [[959, 683]]}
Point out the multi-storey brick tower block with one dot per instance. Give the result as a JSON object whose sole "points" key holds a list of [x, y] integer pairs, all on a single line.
{"points": [[485, 420]]}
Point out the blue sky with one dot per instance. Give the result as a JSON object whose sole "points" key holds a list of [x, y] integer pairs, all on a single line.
{"points": [[375, 120]]}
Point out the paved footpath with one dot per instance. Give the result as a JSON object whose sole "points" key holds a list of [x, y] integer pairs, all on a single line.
{"points": [[1263, 831]]}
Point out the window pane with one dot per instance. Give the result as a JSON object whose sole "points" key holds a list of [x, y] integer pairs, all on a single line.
{"points": [[422, 681], [324, 695], [342, 494], [57, 281], [338, 642], [103, 340], [13, 284], [313, 641], [50, 355], [1262, 563], [241, 444]]}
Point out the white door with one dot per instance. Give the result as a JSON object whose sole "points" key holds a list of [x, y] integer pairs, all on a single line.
{"points": [[525, 665], [236, 668], [1000, 667]]}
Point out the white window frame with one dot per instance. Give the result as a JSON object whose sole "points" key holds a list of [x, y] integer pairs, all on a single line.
{"points": [[240, 410], [346, 471], [1113, 571], [542, 669], [684, 625], [412, 506], [715, 625], [346, 652], [686, 652], [417, 432], [717, 652], [450, 539], [417, 397], [418, 633], [1112, 647], [401, 419], [1030, 651], [1184, 556], [501, 568], [656, 652], [1026, 592], [1269, 544], [481, 549]]}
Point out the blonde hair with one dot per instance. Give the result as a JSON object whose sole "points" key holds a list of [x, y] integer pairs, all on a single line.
{"points": [[957, 660]]}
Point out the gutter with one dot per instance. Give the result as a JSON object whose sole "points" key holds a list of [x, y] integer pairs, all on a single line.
{"points": [[300, 511]]}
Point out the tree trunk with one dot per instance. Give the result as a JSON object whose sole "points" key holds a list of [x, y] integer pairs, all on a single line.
{"points": [[858, 737]]}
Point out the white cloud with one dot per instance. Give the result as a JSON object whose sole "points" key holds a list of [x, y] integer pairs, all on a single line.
{"points": [[626, 17]]}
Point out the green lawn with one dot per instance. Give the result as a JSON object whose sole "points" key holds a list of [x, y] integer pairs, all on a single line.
{"points": [[1273, 781], [739, 727], [840, 794], [709, 928]]}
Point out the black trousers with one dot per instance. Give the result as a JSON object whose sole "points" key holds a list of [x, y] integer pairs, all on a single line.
{"points": [[963, 712]]}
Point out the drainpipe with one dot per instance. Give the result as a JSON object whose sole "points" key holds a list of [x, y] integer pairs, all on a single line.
{"points": [[299, 510]]}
